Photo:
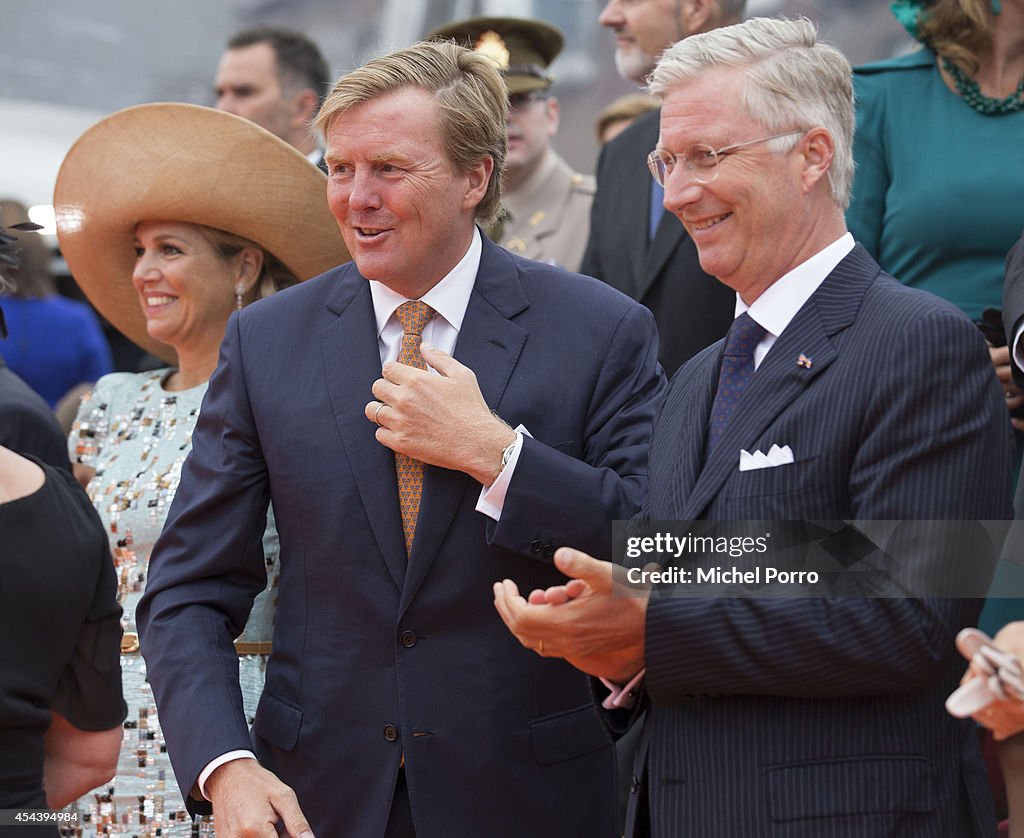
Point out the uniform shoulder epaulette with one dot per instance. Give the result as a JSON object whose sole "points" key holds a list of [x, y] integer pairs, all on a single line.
{"points": [[587, 184]]}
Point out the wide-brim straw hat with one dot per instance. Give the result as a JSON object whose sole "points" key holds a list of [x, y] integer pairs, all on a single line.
{"points": [[179, 162]]}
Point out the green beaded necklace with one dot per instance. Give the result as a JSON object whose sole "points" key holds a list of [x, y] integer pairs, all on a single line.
{"points": [[972, 95]]}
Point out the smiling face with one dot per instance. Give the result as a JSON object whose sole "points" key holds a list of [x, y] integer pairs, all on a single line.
{"points": [[766, 212], [185, 288], [404, 212]]}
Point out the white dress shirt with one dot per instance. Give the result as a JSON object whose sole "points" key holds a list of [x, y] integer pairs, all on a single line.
{"points": [[780, 301]]}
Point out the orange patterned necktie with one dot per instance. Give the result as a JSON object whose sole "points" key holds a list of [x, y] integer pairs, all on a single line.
{"points": [[413, 316]]}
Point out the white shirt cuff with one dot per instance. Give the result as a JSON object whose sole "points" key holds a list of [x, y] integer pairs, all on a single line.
{"points": [[492, 498], [214, 764], [622, 697]]}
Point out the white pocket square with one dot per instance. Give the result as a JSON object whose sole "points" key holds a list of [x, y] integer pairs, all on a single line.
{"points": [[776, 456]]}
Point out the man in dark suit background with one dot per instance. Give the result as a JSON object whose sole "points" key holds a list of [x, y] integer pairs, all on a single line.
{"points": [[395, 702], [276, 78], [634, 245], [839, 395]]}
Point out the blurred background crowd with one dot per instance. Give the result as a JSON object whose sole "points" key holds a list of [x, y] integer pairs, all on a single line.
{"points": [[62, 70], [65, 70]]}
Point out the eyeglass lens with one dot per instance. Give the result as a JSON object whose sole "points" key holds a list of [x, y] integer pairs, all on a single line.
{"points": [[700, 160]]}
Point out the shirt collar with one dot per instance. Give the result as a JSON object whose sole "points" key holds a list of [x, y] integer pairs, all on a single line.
{"points": [[780, 302], [449, 297]]}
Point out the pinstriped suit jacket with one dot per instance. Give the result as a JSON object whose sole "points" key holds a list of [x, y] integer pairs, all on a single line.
{"points": [[813, 717]]}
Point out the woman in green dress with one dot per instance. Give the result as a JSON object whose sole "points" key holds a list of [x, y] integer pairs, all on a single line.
{"points": [[938, 197]]}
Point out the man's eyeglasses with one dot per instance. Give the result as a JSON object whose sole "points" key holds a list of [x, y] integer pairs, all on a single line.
{"points": [[700, 160]]}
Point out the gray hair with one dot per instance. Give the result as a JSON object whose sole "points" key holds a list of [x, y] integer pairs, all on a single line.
{"points": [[795, 81]]}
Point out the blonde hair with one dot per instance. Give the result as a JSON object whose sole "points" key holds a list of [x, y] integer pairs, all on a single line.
{"points": [[471, 100], [794, 81]]}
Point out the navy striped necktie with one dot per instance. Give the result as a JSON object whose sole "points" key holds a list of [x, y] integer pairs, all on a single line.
{"points": [[737, 368]]}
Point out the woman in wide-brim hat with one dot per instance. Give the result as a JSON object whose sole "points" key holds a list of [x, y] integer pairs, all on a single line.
{"points": [[171, 217]]}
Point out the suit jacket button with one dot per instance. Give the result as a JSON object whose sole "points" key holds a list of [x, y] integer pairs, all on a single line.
{"points": [[536, 546], [549, 551], [390, 733], [634, 786], [408, 639]]}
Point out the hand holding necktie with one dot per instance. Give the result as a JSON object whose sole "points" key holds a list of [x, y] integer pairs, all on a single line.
{"points": [[440, 419]]}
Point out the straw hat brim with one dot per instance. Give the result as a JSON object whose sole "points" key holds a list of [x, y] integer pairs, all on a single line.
{"points": [[186, 163]]}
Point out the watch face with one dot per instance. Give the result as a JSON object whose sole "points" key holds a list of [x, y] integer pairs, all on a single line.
{"points": [[506, 455]]}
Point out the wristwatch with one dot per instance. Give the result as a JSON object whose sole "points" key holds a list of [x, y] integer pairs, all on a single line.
{"points": [[506, 455]]}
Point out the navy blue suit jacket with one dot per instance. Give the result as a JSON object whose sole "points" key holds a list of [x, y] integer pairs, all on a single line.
{"points": [[814, 717], [376, 654]]}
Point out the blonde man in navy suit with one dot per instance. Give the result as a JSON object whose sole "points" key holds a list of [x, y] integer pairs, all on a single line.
{"points": [[868, 401], [396, 704]]}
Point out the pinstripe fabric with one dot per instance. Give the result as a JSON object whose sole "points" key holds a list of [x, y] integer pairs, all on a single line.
{"points": [[812, 717]]}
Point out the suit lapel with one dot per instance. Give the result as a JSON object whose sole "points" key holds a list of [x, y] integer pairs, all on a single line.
{"points": [[693, 427], [775, 385], [489, 343], [652, 258], [779, 379], [351, 359], [667, 237], [637, 194]]}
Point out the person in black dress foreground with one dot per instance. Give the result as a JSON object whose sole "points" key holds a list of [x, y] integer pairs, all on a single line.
{"points": [[61, 704]]}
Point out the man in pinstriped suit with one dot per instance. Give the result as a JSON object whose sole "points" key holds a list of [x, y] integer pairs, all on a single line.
{"points": [[792, 717]]}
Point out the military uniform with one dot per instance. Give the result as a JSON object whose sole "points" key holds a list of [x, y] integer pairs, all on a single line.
{"points": [[549, 215]]}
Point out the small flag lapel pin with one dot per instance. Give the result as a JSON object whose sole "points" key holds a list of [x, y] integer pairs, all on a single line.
{"points": [[803, 361]]}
